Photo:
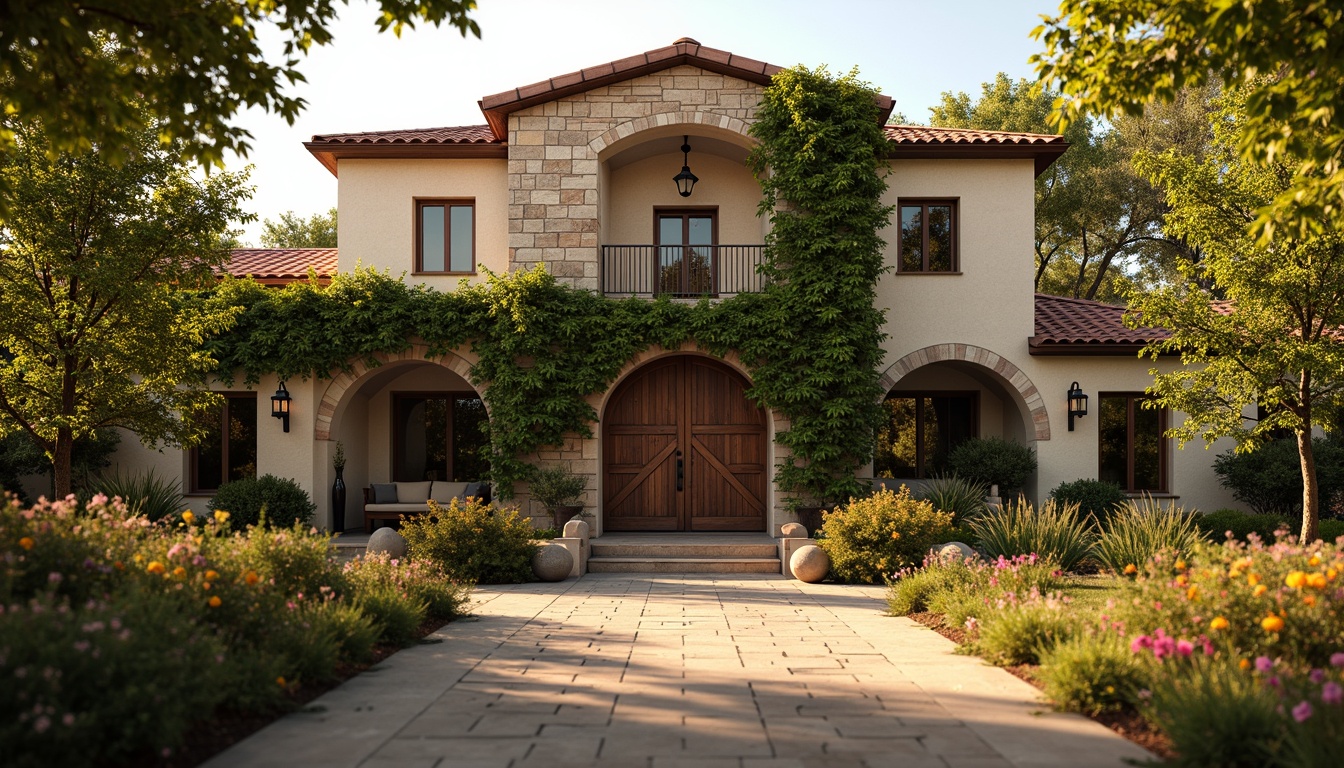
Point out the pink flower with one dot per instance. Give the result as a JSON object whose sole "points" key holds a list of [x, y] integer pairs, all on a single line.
{"points": [[1140, 643], [41, 724], [1317, 676], [1185, 648], [1332, 693], [1263, 663], [1302, 712], [1337, 659]]}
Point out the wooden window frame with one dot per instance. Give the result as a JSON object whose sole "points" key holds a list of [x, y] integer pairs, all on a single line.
{"points": [[1132, 400], [193, 455], [449, 395], [420, 203], [972, 394], [924, 203], [685, 212]]}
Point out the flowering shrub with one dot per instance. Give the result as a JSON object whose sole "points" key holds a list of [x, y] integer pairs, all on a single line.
{"points": [[870, 538], [962, 589], [1022, 627], [473, 542]]}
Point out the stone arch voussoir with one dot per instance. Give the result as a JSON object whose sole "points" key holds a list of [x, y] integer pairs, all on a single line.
{"points": [[640, 124], [1013, 376], [341, 383]]}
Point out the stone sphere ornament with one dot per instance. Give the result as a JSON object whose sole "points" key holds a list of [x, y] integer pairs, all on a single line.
{"points": [[810, 563], [387, 540], [793, 531], [552, 562], [955, 550]]}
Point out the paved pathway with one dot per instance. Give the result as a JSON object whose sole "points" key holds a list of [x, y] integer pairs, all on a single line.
{"points": [[645, 671]]}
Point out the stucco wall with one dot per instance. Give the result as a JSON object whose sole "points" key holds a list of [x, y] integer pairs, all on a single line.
{"points": [[727, 185], [377, 212]]}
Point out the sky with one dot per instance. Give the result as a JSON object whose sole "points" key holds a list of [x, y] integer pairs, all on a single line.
{"points": [[910, 50]]}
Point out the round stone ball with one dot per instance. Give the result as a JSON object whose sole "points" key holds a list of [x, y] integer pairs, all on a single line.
{"points": [[955, 550], [552, 562], [389, 541], [577, 529], [810, 563], [793, 531]]}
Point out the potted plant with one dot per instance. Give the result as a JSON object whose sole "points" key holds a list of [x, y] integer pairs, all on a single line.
{"points": [[338, 489], [559, 491]]}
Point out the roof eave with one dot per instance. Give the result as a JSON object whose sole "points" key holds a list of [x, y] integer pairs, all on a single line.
{"points": [[1042, 154], [1045, 348], [330, 153]]}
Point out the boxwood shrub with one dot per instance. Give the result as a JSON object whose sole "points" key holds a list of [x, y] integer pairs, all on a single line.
{"points": [[993, 461], [284, 501]]}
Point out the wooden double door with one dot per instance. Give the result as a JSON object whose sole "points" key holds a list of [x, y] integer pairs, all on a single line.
{"points": [[684, 450]]}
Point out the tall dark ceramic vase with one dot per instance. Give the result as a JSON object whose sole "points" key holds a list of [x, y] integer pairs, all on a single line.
{"points": [[338, 502]]}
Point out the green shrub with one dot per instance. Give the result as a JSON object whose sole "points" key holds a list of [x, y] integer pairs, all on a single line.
{"points": [[1215, 714], [1269, 479], [965, 499], [1215, 525], [354, 631], [1053, 531], [870, 538], [1021, 631], [144, 494], [473, 542], [283, 500], [391, 589], [1140, 529], [993, 461], [1329, 530], [913, 591], [1094, 498], [1092, 673]]}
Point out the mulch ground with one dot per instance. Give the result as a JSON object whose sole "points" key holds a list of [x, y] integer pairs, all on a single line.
{"points": [[1127, 723], [209, 738]]}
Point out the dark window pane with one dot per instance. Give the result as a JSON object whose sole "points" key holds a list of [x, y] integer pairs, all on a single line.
{"points": [[940, 238], [1113, 426], [210, 459], [1147, 456], [242, 437], [928, 438], [920, 431], [896, 441], [470, 446], [432, 233], [461, 233], [670, 258], [954, 416], [912, 238], [422, 439]]}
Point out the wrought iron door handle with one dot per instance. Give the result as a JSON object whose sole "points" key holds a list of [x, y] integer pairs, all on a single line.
{"points": [[681, 470]]}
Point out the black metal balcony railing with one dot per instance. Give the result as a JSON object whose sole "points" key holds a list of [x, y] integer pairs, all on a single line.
{"points": [[681, 270]]}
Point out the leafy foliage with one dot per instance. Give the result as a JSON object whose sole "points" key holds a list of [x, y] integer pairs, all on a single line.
{"points": [[283, 500], [1091, 672], [1095, 498], [1054, 531], [191, 65], [1023, 629], [556, 486], [20, 455], [993, 461], [293, 231], [473, 542], [1269, 478], [93, 260], [871, 538]]}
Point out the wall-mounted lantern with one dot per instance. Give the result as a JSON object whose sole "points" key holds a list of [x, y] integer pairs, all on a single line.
{"points": [[685, 180], [280, 405], [1077, 403]]}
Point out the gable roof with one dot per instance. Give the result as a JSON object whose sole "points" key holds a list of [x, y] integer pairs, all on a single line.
{"points": [[1067, 326], [921, 141], [277, 266], [458, 141]]}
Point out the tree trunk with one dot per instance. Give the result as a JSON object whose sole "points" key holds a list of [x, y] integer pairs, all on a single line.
{"points": [[1311, 495], [61, 462]]}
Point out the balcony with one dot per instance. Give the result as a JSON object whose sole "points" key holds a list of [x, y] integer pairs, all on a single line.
{"points": [[681, 271]]}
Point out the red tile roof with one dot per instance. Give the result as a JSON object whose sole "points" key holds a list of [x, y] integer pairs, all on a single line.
{"points": [[1079, 326], [462, 134], [282, 265], [919, 141], [923, 134]]}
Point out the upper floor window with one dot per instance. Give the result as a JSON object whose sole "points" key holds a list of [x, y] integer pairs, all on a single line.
{"points": [[686, 240], [1132, 450], [928, 239], [445, 236], [229, 450]]}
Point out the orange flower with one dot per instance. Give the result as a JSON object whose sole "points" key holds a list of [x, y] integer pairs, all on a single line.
{"points": [[1260, 590], [206, 586], [211, 575], [27, 542], [1181, 580], [155, 567], [1296, 579], [1272, 623], [215, 602], [1314, 561], [1131, 569], [895, 535], [1218, 623], [1244, 664], [251, 578], [1180, 565], [1253, 579], [1309, 600], [1331, 573], [280, 681], [179, 572], [1317, 581], [1192, 593]]}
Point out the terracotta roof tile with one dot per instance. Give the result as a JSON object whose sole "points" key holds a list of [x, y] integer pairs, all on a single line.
{"points": [[462, 134], [1061, 320], [921, 134], [282, 263]]}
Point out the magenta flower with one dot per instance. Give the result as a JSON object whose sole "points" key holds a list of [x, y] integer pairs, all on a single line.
{"points": [[1317, 676], [1332, 693], [1140, 643], [1302, 712], [1185, 648], [1337, 659], [1263, 663]]}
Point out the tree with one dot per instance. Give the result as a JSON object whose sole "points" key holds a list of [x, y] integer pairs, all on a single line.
{"points": [[291, 231], [1116, 57], [97, 331], [1276, 339], [97, 74]]}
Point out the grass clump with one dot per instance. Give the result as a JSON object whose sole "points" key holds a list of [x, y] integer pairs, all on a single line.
{"points": [[1138, 530], [144, 493], [1053, 531], [965, 499], [1091, 673], [871, 538], [1022, 628]]}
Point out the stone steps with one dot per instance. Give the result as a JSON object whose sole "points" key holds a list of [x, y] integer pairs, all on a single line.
{"points": [[684, 553]]}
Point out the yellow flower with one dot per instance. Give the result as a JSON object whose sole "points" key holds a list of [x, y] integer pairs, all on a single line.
{"points": [[1331, 573], [1181, 580], [215, 602], [211, 575], [1314, 561], [251, 578], [1296, 579], [1260, 590], [221, 516], [1272, 623], [1180, 565], [1317, 581], [155, 567], [1253, 579], [188, 517], [895, 535], [179, 571], [1192, 593], [1131, 569], [27, 542], [1218, 623]]}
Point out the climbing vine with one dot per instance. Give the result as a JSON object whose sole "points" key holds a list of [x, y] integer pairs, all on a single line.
{"points": [[811, 340]]}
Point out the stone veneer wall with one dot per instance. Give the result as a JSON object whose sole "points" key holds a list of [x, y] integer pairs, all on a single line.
{"points": [[553, 165]]}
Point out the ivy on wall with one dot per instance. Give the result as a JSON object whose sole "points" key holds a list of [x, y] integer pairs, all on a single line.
{"points": [[811, 339]]}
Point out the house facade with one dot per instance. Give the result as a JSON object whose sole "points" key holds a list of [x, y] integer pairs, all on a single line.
{"points": [[576, 172]]}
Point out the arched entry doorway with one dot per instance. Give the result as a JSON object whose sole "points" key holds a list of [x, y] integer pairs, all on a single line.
{"points": [[684, 450]]}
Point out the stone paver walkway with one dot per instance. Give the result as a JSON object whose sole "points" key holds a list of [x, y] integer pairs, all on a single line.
{"points": [[658, 671]]}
